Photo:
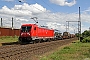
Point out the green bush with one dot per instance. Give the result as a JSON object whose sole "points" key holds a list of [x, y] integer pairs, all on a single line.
{"points": [[86, 33], [87, 39]]}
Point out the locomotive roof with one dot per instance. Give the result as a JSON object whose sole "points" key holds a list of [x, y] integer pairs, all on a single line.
{"points": [[36, 25], [28, 24]]}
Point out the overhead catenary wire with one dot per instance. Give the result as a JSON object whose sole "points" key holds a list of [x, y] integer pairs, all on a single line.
{"points": [[50, 7], [33, 6], [38, 9], [28, 3]]}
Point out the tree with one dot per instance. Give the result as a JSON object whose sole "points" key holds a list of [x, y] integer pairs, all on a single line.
{"points": [[86, 33]]}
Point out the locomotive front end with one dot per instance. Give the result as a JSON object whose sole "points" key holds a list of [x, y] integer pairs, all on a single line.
{"points": [[25, 33]]}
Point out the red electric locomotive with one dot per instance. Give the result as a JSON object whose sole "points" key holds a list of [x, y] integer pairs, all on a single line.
{"points": [[32, 33]]}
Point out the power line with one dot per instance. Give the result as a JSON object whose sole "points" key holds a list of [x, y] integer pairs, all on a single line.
{"points": [[48, 5], [37, 8], [33, 6]]}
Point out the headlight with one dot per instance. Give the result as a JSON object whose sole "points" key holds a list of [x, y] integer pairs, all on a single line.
{"points": [[28, 33], [21, 33]]}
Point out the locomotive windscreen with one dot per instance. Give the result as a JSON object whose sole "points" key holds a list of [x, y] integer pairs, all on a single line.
{"points": [[25, 28]]}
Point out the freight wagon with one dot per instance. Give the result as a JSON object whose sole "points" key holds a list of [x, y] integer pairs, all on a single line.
{"points": [[66, 35]]}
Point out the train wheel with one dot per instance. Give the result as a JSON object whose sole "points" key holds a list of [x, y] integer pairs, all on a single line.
{"points": [[32, 42], [49, 40], [20, 40], [39, 41]]}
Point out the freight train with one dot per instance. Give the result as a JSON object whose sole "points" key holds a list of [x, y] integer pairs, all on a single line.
{"points": [[34, 33]]}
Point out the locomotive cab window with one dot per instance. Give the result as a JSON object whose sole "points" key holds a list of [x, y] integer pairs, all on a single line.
{"points": [[25, 28]]}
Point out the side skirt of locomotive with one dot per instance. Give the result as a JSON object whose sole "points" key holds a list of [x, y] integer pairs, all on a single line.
{"points": [[35, 39]]}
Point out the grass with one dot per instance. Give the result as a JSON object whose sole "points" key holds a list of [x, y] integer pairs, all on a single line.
{"points": [[7, 39], [76, 51]]}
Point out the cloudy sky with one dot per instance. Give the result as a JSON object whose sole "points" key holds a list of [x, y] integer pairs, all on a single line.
{"points": [[52, 13]]}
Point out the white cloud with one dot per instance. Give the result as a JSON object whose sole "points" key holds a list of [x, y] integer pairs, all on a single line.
{"points": [[23, 10], [63, 2], [23, 13]]}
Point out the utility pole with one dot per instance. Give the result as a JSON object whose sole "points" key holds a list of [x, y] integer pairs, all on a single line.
{"points": [[12, 23], [79, 25], [79, 22], [66, 28], [1, 22], [89, 28]]}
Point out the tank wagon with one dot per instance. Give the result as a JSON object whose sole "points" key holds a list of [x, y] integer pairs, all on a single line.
{"points": [[33, 33]]}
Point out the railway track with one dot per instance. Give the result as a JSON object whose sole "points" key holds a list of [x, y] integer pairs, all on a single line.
{"points": [[22, 52]]}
